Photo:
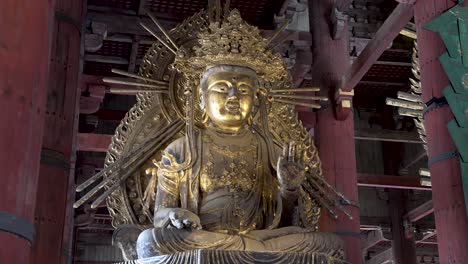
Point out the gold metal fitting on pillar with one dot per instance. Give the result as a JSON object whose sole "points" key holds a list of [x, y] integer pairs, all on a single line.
{"points": [[344, 103]]}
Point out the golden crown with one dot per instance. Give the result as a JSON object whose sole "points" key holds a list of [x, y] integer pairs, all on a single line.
{"points": [[231, 42]]}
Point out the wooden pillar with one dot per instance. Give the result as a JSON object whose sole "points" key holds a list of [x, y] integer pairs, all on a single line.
{"points": [[403, 244], [54, 215], [25, 29], [335, 139], [448, 199]]}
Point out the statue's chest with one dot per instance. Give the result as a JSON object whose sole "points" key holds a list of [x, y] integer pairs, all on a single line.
{"points": [[231, 167]]}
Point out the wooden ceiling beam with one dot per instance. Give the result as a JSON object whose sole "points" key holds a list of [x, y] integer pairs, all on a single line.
{"points": [[397, 20], [93, 142], [373, 134], [133, 54], [371, 239], [391, 181], [126, 24], [420, 212], [385, 257], [105, 59], [142, 7], [110, 10]]}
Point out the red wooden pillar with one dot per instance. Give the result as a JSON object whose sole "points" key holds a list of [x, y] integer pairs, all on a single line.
{"points": [[54, 215], [448, 199], [335, 139], [403, 244], [25, 29]]}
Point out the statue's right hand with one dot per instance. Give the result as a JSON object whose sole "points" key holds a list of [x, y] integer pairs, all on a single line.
{"points": [[181, 218]]}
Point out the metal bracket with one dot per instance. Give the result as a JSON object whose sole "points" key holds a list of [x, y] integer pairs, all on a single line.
{"points": [[442, 157], [59, 16], [344, 98], [55, 159], [435, 103], [338, 22], [348, 233], [18, 226], [409, 229]]}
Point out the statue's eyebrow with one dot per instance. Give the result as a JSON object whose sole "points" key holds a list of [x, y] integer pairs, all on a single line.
{"points": [[216, 82]]}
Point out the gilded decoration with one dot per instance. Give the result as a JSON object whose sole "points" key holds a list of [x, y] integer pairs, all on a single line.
{"points": [[250, 180]]}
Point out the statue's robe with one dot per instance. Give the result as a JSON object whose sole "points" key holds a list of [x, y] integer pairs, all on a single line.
{"points": [[237, 212]]}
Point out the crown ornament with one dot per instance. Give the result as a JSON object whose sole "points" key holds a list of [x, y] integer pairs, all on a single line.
{"points": [[226, 40], [231, 42]]}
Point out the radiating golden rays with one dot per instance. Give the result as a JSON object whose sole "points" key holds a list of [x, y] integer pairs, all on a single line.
{"points": [[111, 177], [294, 97]]}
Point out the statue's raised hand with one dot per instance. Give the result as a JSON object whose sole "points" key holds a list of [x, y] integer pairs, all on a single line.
{"points": [[290, 169]]}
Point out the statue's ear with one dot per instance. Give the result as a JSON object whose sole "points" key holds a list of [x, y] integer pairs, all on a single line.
{"points": [[256, 105], [202, 102]]}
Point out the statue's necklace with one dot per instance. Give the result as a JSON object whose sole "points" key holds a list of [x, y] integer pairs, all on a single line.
{"points": [[229, 157]]}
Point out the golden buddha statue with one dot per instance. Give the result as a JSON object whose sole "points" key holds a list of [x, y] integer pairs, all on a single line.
{"points": [[231, 197], [243, 175]]}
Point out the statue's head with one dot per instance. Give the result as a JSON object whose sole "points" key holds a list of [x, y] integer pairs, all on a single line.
{"points": [[230, 61], [227, 95]]}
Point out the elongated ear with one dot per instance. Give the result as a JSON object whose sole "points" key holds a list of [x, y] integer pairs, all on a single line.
{"points": [[202, 102], [205, 117]]}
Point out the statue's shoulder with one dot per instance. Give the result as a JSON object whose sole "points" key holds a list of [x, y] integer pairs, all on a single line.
{"points": [[177, 144], [179, 148]]}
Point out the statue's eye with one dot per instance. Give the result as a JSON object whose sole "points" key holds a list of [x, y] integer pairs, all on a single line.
{"points": [[244, 89], [220, 87]]}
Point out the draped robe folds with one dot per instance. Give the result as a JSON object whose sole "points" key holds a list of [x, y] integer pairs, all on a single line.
{"points": [[258, 226]]}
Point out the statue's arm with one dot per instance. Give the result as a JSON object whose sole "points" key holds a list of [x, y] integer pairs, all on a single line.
{"points": [[167, 211]]}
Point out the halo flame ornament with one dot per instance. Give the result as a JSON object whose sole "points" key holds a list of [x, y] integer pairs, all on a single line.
{"points": [[168, 110]]}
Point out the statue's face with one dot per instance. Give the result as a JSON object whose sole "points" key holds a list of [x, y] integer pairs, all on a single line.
{"points": [[229, 98]]}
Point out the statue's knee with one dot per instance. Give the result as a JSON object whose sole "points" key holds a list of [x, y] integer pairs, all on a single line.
{"points": [[145, 244]]}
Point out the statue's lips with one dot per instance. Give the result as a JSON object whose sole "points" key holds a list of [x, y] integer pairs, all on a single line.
{"points": [[232, 107]]}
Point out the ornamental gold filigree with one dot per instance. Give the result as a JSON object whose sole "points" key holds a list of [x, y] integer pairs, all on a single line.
{"points": [[233, 42], [163, 157]]}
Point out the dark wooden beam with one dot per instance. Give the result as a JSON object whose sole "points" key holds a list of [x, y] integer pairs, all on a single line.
{"points": [[391, 63], [424, 239], [106, 9], [385, 257], [126, 24], [373, 134], [142, 7], [406, 165], [371, 239], [88, 81], [407, 1], [383, 38], [93, 142], [96, 162], [133, 55], [390, 181], [105, 59], [420, 212], [386, 84]]}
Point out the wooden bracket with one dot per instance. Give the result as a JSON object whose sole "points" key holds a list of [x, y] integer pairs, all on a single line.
{"points": [[344, 104], [338, 22], [410, 2]]}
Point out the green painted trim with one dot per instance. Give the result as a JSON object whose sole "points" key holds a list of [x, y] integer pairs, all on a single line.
{"points": [[460, 137], [447, 27], [457, 74], [452, 27], [458, 104], [464, 173]]}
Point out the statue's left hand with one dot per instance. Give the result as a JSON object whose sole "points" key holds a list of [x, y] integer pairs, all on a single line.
{"points": [[182, 218], [290, 169]]}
